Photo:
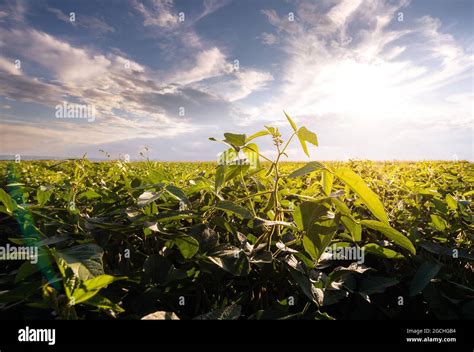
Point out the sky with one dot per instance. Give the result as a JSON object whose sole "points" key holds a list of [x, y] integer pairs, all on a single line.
{"points": [[374, 79]]}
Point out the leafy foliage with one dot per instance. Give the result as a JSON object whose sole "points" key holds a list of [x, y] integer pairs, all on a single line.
{"points": [[236, 240]]}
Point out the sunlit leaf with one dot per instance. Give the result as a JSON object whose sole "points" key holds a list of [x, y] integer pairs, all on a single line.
{"points": [[236, 140], [85, 260], [452, 202], [256, 135], [374, 248], [358, 186], [438, 222], [327, 180], [390, 233], [188, 246], [308, 168], [234, 208], [304, 135], [292, 123]]}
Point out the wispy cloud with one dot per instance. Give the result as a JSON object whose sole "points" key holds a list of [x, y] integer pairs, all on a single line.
{"points": [[348, 69], [85, 21], [364, 74], [13, 10], [269, 38], [158, 13], [130, 100]]}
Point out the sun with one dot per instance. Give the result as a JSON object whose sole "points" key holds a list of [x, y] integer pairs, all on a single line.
{"points": [[364, 91]]}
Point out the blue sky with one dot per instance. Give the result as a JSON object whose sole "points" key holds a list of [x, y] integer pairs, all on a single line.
{"points": [[377, 80]]}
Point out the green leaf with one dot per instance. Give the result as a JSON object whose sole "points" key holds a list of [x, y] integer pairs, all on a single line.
{"points": [[438, 222], [317, 233], [308, 168], [311, 245], [42, 196], [353, 227], [261, 257], [233, 171], [306, 286], [318, 238], [327, 180], [367, 196], [8, 202], [26, 269], [226, 157], [234, 208], [452, 202], [256, 135], [375, 249], [424, 274], [219, 178], [90, 194], [231, 259], [187, 245], [178, 194], [308, 136], [305, 135], [167, 216], [390, 233], [251, 152], [272, 130], [446, 251], [91, 287], [292, 123], [342, 207], [307, 213], [70, 280], [376, 284], [148, 197], [237, 140], [104, 303], [85, 260]]}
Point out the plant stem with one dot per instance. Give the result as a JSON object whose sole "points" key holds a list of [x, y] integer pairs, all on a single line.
{"points": [[288, 143], [276, 203], [247, 193]]}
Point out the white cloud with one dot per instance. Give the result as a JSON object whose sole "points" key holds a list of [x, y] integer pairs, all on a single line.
{"points": [[211, 6], [8, 65], [129, 102], [66, 62], [269, 38], [208, 63], [158, 13], [340, 13], [369, 75], [15, 10], [242, 83], [347, 66], [63, 136], [60, 15], [85, 21]]}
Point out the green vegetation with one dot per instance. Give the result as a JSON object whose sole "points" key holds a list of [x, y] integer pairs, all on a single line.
{"points": [[247, 240]]}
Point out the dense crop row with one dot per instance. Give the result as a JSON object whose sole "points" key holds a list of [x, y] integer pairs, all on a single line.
{"points": [[250, 240]]}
